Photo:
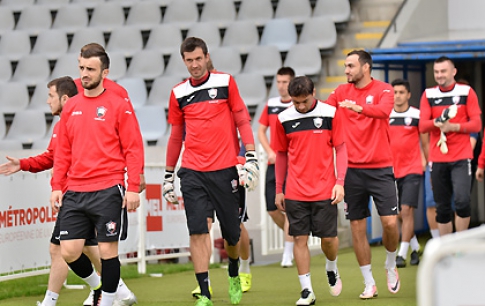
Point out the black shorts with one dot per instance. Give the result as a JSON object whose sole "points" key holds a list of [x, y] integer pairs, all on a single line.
{"points": [[204, 192], [100, 210], [318, 218], [408, 190], [360, 184], [56, 235], [451, 179]]}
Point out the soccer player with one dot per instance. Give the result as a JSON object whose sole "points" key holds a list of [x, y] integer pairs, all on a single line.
{"points": [[307, 135], [365, 105], [268, 119], [99, 140], [408, 166], [208, 107], [450, 172]]}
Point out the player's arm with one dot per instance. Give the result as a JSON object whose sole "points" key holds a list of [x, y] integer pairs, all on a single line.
{"points": [[481, 163], [426, 120], [281, 167], [424, 137], [263, 139], [341, 158], [62, 162]]}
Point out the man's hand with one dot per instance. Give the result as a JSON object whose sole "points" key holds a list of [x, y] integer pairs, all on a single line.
{"points": [[56, 200], [350, 105], [479, 174], [447, 114], [449, 127], [12, 166], [271, 157], [168, 190], [249, 174], [143, 184], [337, 194], [280, 201], [131, 201]]}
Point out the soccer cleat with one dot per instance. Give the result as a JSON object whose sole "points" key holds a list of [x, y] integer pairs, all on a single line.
{"points": [[197, 293], [334, 283], [97, 297], [89, 300], [400, 262], [203, 301], [245, 281], [128, 301], [414, 258], [306, 298], [286, 261], [393, 282], [235, 291], [370, 292]]}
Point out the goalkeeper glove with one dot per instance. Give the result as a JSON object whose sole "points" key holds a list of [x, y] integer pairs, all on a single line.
{"points": [[447, 114], [249, 174], [168, 190], [442, 143]]}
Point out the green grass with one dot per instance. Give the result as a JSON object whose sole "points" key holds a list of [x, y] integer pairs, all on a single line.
{"points": [[272, 285]]}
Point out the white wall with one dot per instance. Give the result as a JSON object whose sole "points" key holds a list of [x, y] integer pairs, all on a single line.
{"points": [[466, 15]]}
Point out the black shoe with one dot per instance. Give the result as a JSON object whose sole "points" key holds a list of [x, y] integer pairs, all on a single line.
{"points": [[97, 297], [414, 258], [400, 262]]}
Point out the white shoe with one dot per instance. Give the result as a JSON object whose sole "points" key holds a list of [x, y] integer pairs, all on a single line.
{"points": [[286, 262], [128, 301], [306, 298], [89, 300]]}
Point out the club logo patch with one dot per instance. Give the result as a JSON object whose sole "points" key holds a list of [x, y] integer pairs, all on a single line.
{"points": [[369, 100], [234, 185], [408, 121], [111, 228], [212, 93], [101, 111], [317, 122], [456, 99]]}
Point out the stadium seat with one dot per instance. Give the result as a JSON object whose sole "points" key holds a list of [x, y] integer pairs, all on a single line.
{"points": [[146, 64], [338, 10], [117, 66], [145, 15], [84, 36], [256, 11], [136, 89], [107, 16], [5, 69], [66, 64], [181, 13], [17, 5], [164, 38], [305, 59], [252, 88], [126, 40], [3, 128], [298, 11], [15, 44], [34, 19], [242, 35], [7, 20], [161, 89], [10, 145], [51, 43], [226, 59], [38, 101], [40, 144], [152, 120], [71, 18], [208, 31], [89, 3], [176, 66], [27, 126], [265, 60], [320, 31], [14, 97], [53, 4], [221, 12], [280, 33], [32, 69]]}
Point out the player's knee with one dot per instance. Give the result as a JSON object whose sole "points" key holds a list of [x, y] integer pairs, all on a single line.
{"points": [[443, 217], [463, 212]]}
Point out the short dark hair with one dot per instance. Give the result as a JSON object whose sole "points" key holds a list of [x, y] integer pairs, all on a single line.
{"points": [[191, 43], [402, 82], [96, 50], [364, 57], [64, 86], [443, 59], [301, 86], [286, 71]]}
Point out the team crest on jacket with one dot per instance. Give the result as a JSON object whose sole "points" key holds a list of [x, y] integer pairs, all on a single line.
{"points": [[456, 100], [317, 122], [408, 120], [212, 93], [111, 228], [101, 111], [369, 100]]}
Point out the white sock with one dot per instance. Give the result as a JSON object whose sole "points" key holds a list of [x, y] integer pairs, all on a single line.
{"points": [[390, 260], [107, 298], [367, 274], [289, 248], [244, 266], [331, 265], [435, 233], [414, 244], [403, 249], [50, 298], [306, 281], [93, 280], [122, 292]]}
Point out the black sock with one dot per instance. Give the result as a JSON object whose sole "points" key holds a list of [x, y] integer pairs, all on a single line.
{"points": [[110, 274], [233, 268], [203, 280], [81, 266]]}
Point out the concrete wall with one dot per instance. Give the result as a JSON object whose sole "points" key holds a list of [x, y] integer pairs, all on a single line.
{"points": [[466, 15]]}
